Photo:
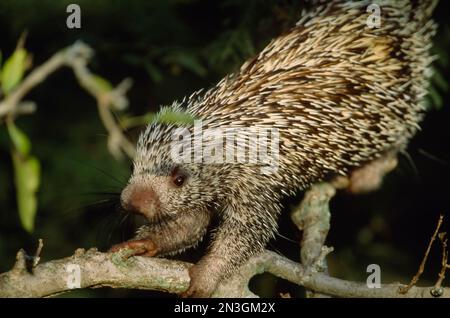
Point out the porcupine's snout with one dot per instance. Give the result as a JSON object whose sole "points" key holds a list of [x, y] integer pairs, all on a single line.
{"points": [[140, 199]]}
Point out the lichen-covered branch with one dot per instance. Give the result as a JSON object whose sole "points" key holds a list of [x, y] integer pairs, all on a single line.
{"points": [[96, 270], [313, 217], [111, 270]]}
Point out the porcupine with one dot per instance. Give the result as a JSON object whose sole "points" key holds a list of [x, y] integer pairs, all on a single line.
{"points": [[344, 96]]}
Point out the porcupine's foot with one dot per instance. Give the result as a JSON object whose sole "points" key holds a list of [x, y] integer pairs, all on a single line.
{"points": [[201, 286], [142, 247], [369, 177]]}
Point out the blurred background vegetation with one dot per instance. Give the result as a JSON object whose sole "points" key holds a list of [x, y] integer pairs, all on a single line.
{"points": [[170, 49]]}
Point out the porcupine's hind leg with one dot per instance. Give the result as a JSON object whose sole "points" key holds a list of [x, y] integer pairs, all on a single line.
{"points": [[313, 214], [368, 177]]}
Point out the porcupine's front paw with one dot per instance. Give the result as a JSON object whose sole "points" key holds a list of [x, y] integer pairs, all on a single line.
{"points": [[142, 247], [202, 285]]}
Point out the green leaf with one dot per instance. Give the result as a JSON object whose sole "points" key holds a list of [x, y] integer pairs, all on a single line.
{"points": [[153, 72], [245, 44], [443, 57], [102, 83], [436, 98], [13, 70], [439, 80], [20, 141], [27, 180], [26, 176]]}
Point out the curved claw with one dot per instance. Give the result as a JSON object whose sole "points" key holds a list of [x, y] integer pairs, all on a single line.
{"points": [[141, 247]]}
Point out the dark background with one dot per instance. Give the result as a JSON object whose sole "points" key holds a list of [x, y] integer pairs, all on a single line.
{"points": [[170, 49]]}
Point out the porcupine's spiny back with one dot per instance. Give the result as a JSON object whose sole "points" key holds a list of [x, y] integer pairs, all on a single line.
{"points": [[340, 92]]}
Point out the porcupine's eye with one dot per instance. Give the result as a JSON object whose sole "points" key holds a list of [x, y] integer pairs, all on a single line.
{"points": [[178, 177]]}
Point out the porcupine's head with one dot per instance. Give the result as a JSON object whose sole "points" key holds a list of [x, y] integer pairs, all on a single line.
{"points": [[176, 197]]}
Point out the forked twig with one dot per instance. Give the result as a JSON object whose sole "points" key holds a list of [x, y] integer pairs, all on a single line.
{"points": [[415, 279], [437, 290]]}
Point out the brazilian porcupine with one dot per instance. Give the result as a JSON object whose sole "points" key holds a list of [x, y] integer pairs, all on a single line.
{"points": [[342, 93]]}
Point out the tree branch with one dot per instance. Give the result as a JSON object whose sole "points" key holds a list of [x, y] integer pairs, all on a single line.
{"points": [[313, 218], [416, 277], [76, 57], [98, 269], [111, 270]]}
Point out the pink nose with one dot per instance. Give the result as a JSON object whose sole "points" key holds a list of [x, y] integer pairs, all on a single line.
{"points": [[139, 199]]}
